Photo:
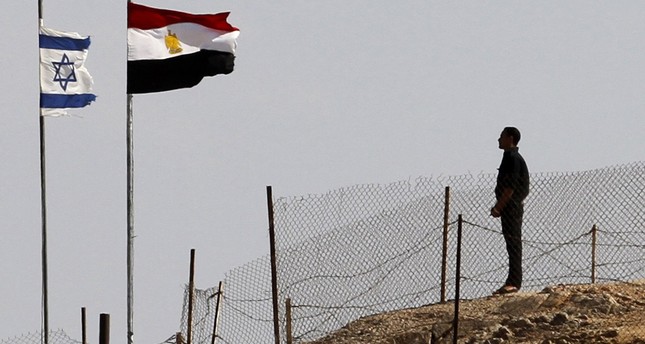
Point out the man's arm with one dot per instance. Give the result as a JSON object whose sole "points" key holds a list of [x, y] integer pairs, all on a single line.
{"points": [[501, 203]]}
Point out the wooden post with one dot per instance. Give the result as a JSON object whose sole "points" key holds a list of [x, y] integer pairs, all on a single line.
{"points": [[104, 328], [288, 319], [179, 339], [594, 231], [274, 267], [191, 295], [220, 290], [444, 250], [455, 323], [83, 325]]}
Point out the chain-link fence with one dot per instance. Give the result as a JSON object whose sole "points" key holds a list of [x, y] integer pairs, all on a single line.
{"points": [[55, 337], [368, 249], [245, 312]]}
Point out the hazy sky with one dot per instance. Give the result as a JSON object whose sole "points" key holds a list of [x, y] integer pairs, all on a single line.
{"points": [[325, 94]]}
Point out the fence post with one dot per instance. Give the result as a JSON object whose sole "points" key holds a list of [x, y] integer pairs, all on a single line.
{"points": [[220, 290], [191, 295], [104, 328], [274, 267], [455, 323], [594, 231], [444, 250], [288, 316], [83, 325]]}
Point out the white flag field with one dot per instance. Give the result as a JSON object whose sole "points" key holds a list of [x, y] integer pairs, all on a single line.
{"points": [[65, 83]]}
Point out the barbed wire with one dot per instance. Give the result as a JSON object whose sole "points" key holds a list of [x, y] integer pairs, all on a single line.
{"points": [[55, 337], [368, 249]]}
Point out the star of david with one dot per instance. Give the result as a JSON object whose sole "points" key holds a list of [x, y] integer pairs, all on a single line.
{"points": [[65, 72]]}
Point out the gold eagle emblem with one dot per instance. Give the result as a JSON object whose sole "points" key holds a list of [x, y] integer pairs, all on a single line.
{"points": [[172, 43]]}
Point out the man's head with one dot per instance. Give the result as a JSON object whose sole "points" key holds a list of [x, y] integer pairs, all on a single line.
{"points": [[509, 138]]}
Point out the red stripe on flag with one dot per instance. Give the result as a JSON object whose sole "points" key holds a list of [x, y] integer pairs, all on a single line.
{"points": [[145, 18]]}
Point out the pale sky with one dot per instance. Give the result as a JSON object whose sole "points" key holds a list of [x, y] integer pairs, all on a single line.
{"points": [[326, 94]]}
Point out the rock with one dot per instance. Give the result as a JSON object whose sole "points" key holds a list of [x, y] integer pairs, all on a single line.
{"points": [[559, 319], [494, 341], [441, 332], [584, 323], [502, 332], [521, 304], [540, 319], [603, 303], [412, 338], [554, 300], [612, 333], [521, 323], [583, 317]]}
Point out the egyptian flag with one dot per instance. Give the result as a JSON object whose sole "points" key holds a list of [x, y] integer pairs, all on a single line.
{"points": [[168, 49]]}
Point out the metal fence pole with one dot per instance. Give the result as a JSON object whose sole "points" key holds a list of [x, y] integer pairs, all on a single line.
{"points": [[594, 231], [288, 316], [444, 251], [220, 289], [455, 323], [191, 295], [83, 325], [274, 267], [104, 328]]}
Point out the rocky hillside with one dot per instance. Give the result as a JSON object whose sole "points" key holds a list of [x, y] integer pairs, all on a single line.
{"points": [[600, 313]]}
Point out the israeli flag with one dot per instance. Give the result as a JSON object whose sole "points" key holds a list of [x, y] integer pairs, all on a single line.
{"points": [[64, 81]]}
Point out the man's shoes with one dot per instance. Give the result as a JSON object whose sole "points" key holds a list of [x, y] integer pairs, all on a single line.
{"points": [[507, 289]]}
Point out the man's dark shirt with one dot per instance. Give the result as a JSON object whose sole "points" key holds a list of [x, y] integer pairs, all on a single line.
{"points": [[513, 173]]}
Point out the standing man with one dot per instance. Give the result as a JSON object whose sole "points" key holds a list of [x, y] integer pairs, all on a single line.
{"points": [[511, 189]]}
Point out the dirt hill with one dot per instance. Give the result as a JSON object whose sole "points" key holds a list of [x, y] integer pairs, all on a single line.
{"points": [[562, 314]]}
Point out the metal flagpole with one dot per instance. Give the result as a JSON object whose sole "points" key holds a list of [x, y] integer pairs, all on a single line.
{"points": [[130, 250], [130, 215], [43, 207]]}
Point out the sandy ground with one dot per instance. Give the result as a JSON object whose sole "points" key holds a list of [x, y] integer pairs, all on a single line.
{"points": [[598, 313]]}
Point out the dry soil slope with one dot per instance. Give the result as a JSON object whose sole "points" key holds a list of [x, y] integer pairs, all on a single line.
{"points": [[599, 313]]}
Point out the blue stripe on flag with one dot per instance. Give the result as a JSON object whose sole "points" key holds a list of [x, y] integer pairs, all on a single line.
{"points": [[63, 43], [61, 101]]}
